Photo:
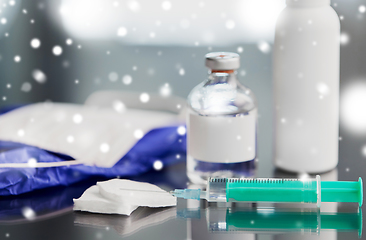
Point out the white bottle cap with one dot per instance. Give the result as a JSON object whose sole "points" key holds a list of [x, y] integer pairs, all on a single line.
{"points": [[222, 61]]}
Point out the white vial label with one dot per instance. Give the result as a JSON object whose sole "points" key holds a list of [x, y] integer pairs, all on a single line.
{"points": [[222, 139]]}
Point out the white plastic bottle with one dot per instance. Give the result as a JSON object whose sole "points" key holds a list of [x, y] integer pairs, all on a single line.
{"points": [[222, 123], [306, 87]]}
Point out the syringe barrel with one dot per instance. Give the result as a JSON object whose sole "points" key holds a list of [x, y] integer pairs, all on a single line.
{"points": [[283, 190], [273, 190], [266, 190]]}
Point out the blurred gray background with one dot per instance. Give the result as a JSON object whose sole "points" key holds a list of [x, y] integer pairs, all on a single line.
{"points": [[163, 42]]}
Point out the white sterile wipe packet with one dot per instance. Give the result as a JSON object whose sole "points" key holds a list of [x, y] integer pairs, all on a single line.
{"points": [[139, 193], [92, 135], [92, 201]]}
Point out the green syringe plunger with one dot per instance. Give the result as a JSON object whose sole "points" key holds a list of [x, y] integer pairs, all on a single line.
{"points": [[276, 190]]}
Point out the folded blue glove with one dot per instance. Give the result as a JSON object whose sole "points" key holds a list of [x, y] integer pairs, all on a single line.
{"points": [[163, 144]]}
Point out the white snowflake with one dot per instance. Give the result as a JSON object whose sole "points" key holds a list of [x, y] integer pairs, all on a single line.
{"points": [[230, 24], [28, 213], [165, 90], [158, 165], [166, 5], [122, 31], [113, 76], [104, 147], [134, 6], [119, 106], [69, 41], [363, 151], [181, 130], [138, 133], [182, 72], [21, 132], [70, 139], [304, 176], [362, 9], [127, 79], [77, 118], [264, 47], [344, 39], [66, 64], [39, 76], [17, 58], [26, 87], [35, 43], [322, 88], [151, 71], [57, 50], [32, 162], [144, 97]]}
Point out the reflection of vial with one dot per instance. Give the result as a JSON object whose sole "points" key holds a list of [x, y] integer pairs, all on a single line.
{"points": [[222, 122]]}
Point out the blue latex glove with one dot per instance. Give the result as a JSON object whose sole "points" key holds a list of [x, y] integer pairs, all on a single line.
{"points": [[159, 144]]}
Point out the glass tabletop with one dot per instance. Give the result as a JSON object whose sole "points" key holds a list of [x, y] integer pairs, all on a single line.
{"points": [[190, 219]]}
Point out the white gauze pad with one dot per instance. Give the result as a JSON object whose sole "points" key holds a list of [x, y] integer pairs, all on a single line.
{"points": [[92, 201], [138, 193]]}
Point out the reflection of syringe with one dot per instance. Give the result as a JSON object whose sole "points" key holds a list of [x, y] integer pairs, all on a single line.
{"points": [[257, 220], [276, 190], [271, 220]]}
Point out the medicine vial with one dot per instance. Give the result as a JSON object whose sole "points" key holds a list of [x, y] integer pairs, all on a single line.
{"points": [[306, 87], [221, 122]]}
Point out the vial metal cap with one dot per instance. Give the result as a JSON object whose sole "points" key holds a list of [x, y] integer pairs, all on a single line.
{"points": [[222, 61]]}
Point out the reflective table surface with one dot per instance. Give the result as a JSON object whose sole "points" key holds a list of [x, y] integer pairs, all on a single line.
{"points": [[191, 219]]}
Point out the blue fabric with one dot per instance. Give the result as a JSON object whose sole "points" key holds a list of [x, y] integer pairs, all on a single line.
{"points": [[159, 144]]}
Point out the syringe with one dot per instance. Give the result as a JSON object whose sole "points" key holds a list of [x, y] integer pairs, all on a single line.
{"points": [[276, 190]]}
